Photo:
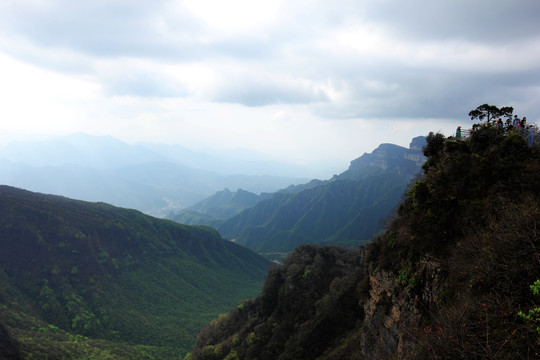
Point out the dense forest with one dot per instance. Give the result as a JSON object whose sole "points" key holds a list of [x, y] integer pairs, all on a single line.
{"points": [[89, 280], [455, 275]]}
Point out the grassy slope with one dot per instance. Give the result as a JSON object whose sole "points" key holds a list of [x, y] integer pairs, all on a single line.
{"points": [[92, 279]]}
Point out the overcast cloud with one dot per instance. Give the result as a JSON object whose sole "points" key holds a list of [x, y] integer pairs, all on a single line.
{"points": [[311, 81]]}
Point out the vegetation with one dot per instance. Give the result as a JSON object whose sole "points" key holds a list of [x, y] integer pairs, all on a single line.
{"points": [[490, 112], [533, 315], [347, 210], [449, 279], [213, 210], [455, 275], [476, 210], [305, 306], [82, 280]]}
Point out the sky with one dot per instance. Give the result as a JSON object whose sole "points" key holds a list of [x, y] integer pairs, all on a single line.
{"points": [[312, 82]]}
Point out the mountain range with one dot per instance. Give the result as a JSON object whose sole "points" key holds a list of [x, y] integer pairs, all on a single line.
{"points": [[153, 178], [456, 275], [453, 274], [90, 280], [347, 209]]}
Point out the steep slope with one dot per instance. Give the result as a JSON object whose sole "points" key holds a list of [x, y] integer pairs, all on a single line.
{"points": [[88, 271], [388, 157], [455, 276], [315, 215], [305, 305], [346, 210]]}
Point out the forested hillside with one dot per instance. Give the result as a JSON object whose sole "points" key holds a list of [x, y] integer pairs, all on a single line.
{"points": [[345, 210], [89, 280], [455, 276]]}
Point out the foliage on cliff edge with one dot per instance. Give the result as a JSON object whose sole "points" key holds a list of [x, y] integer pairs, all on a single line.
{"points": [[475, 213]]}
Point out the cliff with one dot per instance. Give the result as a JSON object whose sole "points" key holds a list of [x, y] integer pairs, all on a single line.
{"points": [[447, 280]]}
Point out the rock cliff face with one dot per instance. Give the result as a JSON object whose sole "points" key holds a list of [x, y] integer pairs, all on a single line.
{"points": [[326, 303], [394, 309], [388, 157]]}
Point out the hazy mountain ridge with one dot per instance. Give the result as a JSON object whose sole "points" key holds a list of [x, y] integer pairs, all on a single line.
{"points": [[213, 210], [106, 152], [227, 162], [92, 270], [447, 280], [102, 168]]}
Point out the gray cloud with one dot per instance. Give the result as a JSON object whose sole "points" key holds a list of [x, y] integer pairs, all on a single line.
{"points": [[491, 21], [299, 60], [263, 91], [143, 84]]}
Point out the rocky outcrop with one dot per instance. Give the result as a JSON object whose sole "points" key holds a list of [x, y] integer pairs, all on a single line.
{"points": [[395, 307], [388, 157], [323, 303]]}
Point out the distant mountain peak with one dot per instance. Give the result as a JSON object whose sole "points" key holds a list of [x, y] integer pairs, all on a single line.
{"points": [[418, 143], [388, 157]]}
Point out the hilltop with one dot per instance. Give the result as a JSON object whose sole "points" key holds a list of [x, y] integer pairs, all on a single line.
{"points": [[455, 276]]}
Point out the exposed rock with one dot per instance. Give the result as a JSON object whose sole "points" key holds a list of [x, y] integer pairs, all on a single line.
{"points": [[395, 306]]}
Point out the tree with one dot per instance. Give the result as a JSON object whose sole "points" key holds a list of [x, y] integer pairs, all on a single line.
{"points": [[491, 112]]}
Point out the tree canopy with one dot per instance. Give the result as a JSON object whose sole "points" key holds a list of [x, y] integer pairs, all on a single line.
{"points": [[490, 112]]}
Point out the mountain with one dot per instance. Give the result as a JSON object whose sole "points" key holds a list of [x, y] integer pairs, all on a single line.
{"points": [[348, 209], [388, 157], [215, 209], [106, 152], [218, 207], [96, 152], [89, 280], [455, 276], [226, 162], [95, 168]]}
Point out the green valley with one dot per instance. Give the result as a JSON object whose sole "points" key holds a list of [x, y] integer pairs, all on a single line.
{"points": [[89, 280]]}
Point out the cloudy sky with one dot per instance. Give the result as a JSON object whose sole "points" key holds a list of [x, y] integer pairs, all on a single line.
{"points": [[314, 82]]}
